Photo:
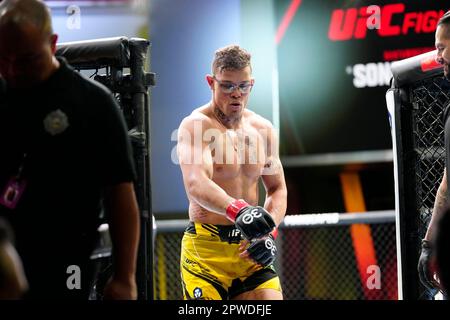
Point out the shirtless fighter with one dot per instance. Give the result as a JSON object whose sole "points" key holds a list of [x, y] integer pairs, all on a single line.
{"points": [[224, 149]]}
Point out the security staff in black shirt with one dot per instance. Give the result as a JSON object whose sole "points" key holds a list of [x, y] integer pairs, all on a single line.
{"points": [[65, 156]]}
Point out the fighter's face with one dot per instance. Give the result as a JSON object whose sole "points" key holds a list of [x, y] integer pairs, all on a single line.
{"points": [[231, 90], [25, 55], [443, 48]]}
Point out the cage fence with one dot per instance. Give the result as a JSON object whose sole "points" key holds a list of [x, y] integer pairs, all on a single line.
{"points": [[428, 99], [315, 262], [416, 101]]}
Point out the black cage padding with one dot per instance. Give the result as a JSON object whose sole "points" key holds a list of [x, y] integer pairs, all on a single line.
{"points": [[93, 54], [409, 71]]}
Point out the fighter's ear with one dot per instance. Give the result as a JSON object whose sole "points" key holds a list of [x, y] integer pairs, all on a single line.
{"points": [[53, 41], [210, 80]]}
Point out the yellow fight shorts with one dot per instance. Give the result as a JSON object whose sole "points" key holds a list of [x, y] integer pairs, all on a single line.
{"points": [[211, 268]]}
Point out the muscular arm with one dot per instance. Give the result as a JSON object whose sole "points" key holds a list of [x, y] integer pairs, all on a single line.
{"points": [[274, 182], [197, 167], [441, 206], [123, 217], [276, 194]]}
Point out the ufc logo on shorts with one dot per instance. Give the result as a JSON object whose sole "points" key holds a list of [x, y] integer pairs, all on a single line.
{"points": [[250, 216], [270, 246]]}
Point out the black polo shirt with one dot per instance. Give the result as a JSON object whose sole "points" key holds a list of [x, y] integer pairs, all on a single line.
{"points": [[67, 140]]}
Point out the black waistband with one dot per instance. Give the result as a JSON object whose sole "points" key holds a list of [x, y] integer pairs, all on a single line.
{"points": [[225, 233]]}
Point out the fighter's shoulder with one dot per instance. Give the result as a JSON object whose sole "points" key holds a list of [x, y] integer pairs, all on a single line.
{"points": [[197, 118], [257, 121]]}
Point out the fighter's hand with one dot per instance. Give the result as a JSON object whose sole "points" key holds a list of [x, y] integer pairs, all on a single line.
{"points": [[425, 267], [253, 222], [118, 289], [262, 251]]}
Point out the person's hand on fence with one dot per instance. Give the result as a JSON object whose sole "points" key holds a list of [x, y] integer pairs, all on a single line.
{"points": [[426, 266]]}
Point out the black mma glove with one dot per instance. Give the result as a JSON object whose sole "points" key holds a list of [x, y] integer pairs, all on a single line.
{"points": [[425, 266], [253, 222], [263, 251]]}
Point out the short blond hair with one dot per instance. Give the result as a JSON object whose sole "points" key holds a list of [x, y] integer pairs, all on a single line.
{"points": [[231, 57]]}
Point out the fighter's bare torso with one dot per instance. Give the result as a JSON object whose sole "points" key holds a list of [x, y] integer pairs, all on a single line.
{"points": [[237, 157]]}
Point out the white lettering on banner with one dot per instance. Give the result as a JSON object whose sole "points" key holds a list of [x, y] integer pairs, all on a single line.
{"points": [[370, 74], [311, 219]]}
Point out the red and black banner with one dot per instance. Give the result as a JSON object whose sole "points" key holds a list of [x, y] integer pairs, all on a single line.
{"points": [[334, 60]]}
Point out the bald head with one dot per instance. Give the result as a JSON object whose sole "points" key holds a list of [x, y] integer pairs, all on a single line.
{"points": [[27, 43], [442, 43], [444, 22], [18, 13]]}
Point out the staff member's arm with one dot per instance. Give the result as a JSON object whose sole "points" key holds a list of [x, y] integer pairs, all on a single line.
{"points": [[123, 216], [13, 282], [426, 260], [115, 172]]}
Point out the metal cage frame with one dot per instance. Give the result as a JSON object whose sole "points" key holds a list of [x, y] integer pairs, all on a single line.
{"points": [[410, 154]]}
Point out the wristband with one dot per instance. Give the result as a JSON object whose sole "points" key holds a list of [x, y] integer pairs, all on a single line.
{"points": [[234, 207], [274, 233]]}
